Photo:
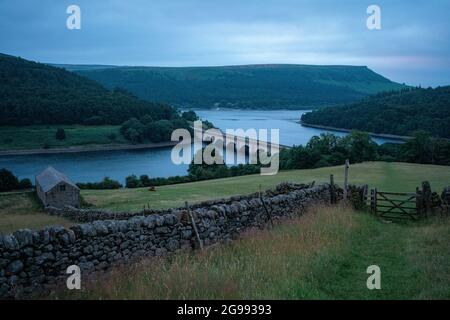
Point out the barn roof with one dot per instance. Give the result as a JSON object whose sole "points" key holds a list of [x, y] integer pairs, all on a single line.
{"points": [[50, 177]]}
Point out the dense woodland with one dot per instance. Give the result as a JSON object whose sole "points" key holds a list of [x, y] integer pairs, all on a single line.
{"points": [[251, 86], [35, 93], [398, 113]]}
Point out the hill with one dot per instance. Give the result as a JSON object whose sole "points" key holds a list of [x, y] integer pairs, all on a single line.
{"points": [[248, 86], [35, 93], [398, 113], [295, 257], [386, 176]]}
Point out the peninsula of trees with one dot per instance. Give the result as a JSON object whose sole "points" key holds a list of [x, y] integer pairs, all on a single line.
{"points": [[399, 113]]}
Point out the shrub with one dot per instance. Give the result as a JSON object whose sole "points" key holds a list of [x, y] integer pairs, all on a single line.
{"points": [[60, 134], [105, 184], [25, 184], [8, 181]]}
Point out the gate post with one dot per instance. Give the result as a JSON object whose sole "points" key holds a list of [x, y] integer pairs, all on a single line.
{"points": [[375, 198], [372, 201]]}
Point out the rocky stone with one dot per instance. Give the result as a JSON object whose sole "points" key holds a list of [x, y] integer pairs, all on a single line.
{"points": [[172, 245], [31, 260], [186, 234], [14, 267], [24, 237], [10, 242]]}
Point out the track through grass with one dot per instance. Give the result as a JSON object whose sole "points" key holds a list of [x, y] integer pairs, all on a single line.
{"points": [[321, 255]]}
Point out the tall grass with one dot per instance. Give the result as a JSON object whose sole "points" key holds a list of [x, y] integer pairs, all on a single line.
{"points": [[321, 255], [266, 264], [23, 210]]}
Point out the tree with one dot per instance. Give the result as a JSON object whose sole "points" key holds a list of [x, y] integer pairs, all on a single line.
{"points": [[133, 135], [159, 131], [145, 180], [132, 182], [146, 119], [359, 146], [133, 130], [60, 134], [189, 115], [25, 184], [8, 181], [418, 149]]}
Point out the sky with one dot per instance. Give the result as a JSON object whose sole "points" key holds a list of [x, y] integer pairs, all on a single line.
{"points": [[412, 46]]}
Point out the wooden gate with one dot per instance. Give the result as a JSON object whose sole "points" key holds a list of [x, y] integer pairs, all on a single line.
{"points": [[394, 205]]}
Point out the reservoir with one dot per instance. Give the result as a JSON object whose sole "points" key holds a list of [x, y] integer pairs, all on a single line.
{"points": [[94, 166]]}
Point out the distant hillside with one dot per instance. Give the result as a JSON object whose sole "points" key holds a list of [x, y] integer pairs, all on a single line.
{"points": [[398, 113], [35, 93], [251, 86]]}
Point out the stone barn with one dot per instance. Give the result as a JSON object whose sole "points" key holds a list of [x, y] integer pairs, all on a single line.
{"points": [[56, 190]]}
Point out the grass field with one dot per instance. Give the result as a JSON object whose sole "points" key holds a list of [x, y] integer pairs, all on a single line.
{"points": [[22, 211], [401, 177], [36, 137], [321, 255]]}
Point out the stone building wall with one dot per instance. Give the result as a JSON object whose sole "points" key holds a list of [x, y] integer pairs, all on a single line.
{"points": [[32, 262], [59, 198]]}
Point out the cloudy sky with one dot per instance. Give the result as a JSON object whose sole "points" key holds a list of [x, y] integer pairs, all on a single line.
{"points": [[413, 45]]}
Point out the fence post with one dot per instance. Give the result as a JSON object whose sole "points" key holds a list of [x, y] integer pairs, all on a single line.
{"points": [[364, 197], [371, 200], [347, 165], [375, 200], [200, 242], [332, 190], [426, 196], [268, 213]]}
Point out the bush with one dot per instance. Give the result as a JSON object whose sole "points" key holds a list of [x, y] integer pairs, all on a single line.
{"points": [[106, 184], [25, 184], [8, 181], [60, 134]]}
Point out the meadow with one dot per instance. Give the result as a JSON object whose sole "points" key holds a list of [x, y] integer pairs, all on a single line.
{"points": [[21, 210], [38, 137], [321, 255], [394, 177]]}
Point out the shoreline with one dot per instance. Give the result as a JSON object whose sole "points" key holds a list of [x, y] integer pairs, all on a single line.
{"points": [[88, 148], [372, 134]]}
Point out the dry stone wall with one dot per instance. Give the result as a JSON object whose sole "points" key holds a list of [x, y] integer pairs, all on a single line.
{"points": [[32, 262]]}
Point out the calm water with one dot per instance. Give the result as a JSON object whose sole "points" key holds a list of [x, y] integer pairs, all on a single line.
{"points": [[291, 132], [94, 166]]}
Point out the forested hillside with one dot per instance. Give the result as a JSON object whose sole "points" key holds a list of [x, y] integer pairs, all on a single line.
{"points": [[398, 113], [251, 86], [35, 93]]}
